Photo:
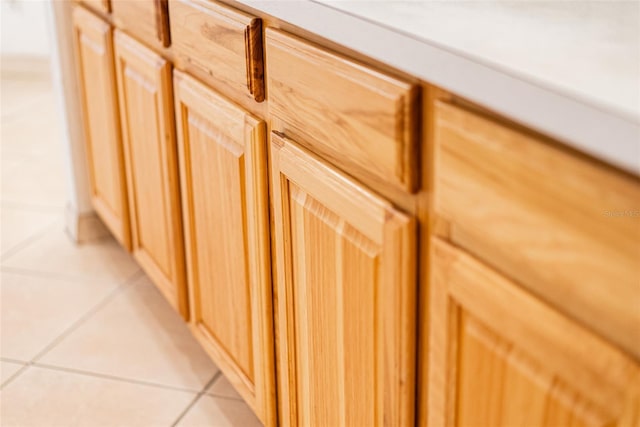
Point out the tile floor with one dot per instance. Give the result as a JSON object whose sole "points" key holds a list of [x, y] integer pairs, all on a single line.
{"points": [[85, 338]]}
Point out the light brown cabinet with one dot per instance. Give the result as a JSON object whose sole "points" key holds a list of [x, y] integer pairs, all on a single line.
{"points": [[219, 44], [500, 357], [103, 6], [544, 216], [146, 19], [224, 194], [345, 286], [290, 236], [95, 59], [360, 119], [146, 111]]}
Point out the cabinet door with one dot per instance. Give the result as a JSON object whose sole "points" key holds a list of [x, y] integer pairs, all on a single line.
{"points": [[94, 53], [346, 296], [500, 357], [224, 195], [146, 111]]}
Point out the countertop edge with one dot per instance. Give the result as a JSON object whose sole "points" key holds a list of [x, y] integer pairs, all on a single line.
{"points": [[587, 128]]}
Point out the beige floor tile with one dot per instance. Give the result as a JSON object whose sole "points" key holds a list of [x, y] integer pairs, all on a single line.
{"points": [[7, 369], [210, 411], [18, 95], [17, 225], [137, 335], [56, 253], [19, 135], [41, 397], [222, 387], [36, 310], [34, 115], [33, 180], [33, 170]]}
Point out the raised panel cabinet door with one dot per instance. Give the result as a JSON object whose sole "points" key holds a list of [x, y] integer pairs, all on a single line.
{"points": [[223, 169], [95, 60], [146, 111], [346, 297], [500, 357]]}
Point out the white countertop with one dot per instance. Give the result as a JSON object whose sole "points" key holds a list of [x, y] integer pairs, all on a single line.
{"points": [[570, 69], [587, 49]]}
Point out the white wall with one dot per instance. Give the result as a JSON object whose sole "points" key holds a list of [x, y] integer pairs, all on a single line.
{"points": [[24, 28]]}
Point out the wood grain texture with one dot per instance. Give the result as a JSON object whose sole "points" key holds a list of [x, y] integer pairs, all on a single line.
{"points": [[162, 21], [146, 112], [426, 226], [142, 19], [345, 274], [500, 357], [222, 152], [359, 119], [103, 6], [95, 61], [545, 217], [222, 43]]}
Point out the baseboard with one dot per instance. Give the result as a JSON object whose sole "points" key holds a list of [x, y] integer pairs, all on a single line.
{"points": [[84, 227], [25, 67]]}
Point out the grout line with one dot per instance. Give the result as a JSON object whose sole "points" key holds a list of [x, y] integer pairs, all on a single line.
{"points": [[196, 398], [187, 409], [217, 396], [212, 381], [39, 207], [34, 207], [16, 361], [88, 314], [15, 375], [63, 276], [93, 241], [28, 241], [111, 377]]}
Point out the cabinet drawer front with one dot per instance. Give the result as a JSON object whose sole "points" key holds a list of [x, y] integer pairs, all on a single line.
{"points": [[222, 152], [500, 357], [221, 43], [146, 19], [346, 286], [359, 119], [94, 53], [552, 220], [146, 112]]}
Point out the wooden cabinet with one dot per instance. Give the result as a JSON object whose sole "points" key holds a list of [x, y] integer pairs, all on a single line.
{"points": [[94, 54], [220, 44], [146, 111], [530, 271], [500, 357], [224, 194], [358, 118], [146, 19], [544, 216], [346, 296], [103, 6]]}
